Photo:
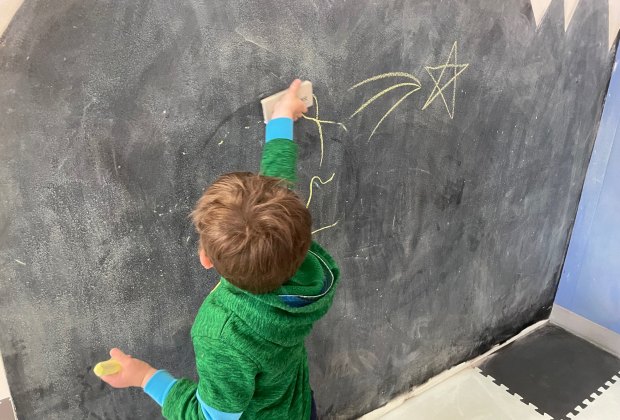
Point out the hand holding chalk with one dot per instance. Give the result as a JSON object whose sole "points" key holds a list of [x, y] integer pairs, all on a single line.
{"points": [[123, 371], [109, 367], [289, 105]]}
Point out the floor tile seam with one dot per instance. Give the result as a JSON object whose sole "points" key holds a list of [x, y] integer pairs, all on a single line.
{"points": [[449, 373], [574, 413], [514, 395]]}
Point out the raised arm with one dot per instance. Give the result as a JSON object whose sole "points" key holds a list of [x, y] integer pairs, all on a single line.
{"points": [[280, 151]]}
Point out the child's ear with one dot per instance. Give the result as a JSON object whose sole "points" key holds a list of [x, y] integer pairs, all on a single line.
{"points": [[204, 260]]}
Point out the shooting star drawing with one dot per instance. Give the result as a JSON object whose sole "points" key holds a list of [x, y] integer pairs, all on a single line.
{"points": [[412, 85]]}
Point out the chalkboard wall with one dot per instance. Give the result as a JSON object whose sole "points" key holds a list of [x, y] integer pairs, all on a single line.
{"points": [[451, 202]]}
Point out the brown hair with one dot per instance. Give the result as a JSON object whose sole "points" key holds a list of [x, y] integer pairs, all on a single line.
{"points": [[255, 231]]}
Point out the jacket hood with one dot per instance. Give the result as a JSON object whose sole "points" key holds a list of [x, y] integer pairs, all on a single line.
{"points": [[286, 315]]}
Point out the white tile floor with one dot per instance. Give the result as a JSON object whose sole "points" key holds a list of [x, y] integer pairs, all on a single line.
{"points": [[469, 395], [606, 406]]}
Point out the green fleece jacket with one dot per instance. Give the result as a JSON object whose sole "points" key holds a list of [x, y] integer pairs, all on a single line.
{"points": [[250, 352]]}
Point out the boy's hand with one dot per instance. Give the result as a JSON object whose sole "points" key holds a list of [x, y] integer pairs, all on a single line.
{"points": [[290, 106], [135, 372]]}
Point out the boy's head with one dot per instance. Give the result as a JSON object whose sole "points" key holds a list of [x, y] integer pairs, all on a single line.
{"points": [[255, 231]]}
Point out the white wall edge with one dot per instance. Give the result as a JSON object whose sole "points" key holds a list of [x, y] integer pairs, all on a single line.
{"points": [[582, 327], [437, 379], [5, 394], [4, 385], [8, 8]]}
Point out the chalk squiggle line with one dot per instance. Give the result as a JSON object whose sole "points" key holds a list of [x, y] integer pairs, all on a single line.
{"points": [[325, 227], [318, 122], [321, 181]]}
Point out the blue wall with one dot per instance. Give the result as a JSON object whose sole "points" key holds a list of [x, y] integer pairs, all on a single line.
{"points": [[590, 282]]}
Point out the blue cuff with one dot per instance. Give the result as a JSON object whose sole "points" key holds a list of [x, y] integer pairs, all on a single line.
{"points": [[279, 128], [211, 413], [159, 386]]}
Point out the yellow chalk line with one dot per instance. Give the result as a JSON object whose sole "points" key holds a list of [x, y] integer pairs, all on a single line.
{"points": [[455, 75], [433, 95], [380, 94], [316, 104], [438, 90], [321, 181], [390, 110], [417, 85], [318, 122], [216, 286], [325, 227], [384, 76], [431, 98]]}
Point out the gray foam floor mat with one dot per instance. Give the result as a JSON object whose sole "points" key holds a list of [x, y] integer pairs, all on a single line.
{"points": [[553, 370]]}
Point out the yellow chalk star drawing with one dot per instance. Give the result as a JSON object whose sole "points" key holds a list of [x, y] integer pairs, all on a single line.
{"points": [[321, 181], [319, 125], [455, 69], [413, 85]]}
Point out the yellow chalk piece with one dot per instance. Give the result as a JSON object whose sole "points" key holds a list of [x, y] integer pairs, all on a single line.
{"points": [[109, 367]]}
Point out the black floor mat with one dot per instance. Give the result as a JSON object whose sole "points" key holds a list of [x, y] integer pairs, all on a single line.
{"points": [[552, 369]]}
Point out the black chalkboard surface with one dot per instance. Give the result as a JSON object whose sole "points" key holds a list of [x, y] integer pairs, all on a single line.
{"points": [[448, 200]]}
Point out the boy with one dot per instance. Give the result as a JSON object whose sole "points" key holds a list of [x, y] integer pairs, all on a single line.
{"points": [[249, 333]]}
